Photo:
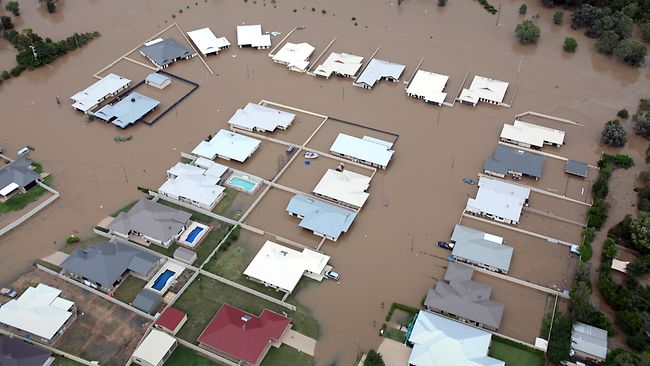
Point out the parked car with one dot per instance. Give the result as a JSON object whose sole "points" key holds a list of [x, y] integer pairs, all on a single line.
{"points": [[332, 275], [8, 292], [290, 148], [444, 244], [575, 250], [469, 181]]}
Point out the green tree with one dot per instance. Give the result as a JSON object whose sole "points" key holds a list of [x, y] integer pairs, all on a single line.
{"points": [[522, 9], [623, 113], [631, 52], [527, 32], [51, 6], [13, 7], [6, 23], [607, 42], [442, 2], [570, 44], [374, 359], [622, 357], [614, 134], [640, 232], [558, 17], [559, 343], [642, 125]]}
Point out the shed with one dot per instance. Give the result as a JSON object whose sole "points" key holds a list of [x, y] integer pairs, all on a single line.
{"points": [[171, 320], [185, 255], [147, 301], [157, 80], [155, 349], [577, 168]]}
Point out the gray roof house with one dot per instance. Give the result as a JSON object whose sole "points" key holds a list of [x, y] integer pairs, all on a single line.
{"points": [[377, 70], [147, 301], [578, 168], [324, 219], [104, 264], [17, 176], [14, 352], [466, 299], [484, 250], [508, 160], [165, 52], [589, 343], [154, 222], [131, 109]]}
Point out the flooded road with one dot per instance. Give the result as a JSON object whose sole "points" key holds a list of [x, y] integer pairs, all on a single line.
{"points": [[412, 204]]}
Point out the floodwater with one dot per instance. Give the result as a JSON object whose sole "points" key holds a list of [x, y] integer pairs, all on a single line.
{"points": [[412, 204]]}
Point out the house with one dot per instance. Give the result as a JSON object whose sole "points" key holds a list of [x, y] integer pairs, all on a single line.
{"points": [[128, 110], [485, 90], [243, 337], [108, 86], [195, 183], [255, 117], [171, 320], [155, 349], [518, 163], [207, 42], [589, 343], [164, 52], [379, 70], [439, 341], [251, 36], [529, 135], [39, 313], [498, 200], [14, 352], [481, 249], [366, 150], [573, 167], [295, 56], [147, 301], [152, 221], [344, 187], [227, 145], [342, 64], [105, 264], [281, 268], [17, 177], [157, 80], [323, 219], [428, 86]]}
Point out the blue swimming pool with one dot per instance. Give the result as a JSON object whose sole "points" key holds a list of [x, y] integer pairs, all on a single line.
{"points": [[161, 281], [243, 183], [193, 234]]}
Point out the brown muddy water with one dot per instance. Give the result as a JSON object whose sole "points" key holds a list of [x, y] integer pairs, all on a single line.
{"points": [[412, 204]]}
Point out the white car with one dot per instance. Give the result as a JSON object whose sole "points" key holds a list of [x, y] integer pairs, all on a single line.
{"points": [[332, 275], [8, 292]]}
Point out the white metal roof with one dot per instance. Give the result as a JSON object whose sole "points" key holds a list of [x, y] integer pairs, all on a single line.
{"points": [[259, 117], [378, 69], [364, 149], [499, 198], [227, 144], [590, 340], [35, 313], [345, 186], [251, 35], [155, 346], [620, 266], [428, 85], [206, 41], [294, 55], [532, 134], [486, 88], [283, 267], [339, 63], [195, 183], [90, 97], [8, 189]]}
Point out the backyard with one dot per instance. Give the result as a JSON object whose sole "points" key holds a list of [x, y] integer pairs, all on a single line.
{"points": [[184, 356], [21, 200], [286, 355], [129, 289], [515, 354]]}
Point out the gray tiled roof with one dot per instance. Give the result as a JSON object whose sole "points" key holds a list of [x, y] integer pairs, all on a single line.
{"points": [[147, 301], [165, 52], [17, 172], [507, 158], [17, 353], [151, 219]]}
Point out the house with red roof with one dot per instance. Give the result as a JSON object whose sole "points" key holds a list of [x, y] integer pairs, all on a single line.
{"points": [[171, 320], [243, 337]]}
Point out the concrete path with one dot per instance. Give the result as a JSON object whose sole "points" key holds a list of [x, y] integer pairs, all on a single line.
{"points": [[56, 258], [299, 341], [394, 353]]}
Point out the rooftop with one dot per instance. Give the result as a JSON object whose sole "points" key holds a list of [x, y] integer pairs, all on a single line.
{"points": [[377, 70], [590, 340], [261, 118], [251, 35], [206, 41], [484, 88], [165, 52], [346, 186], [128, 110], [428, 85], [480, 247], [228, 145], [531, 134], [572, 167], [152, 219], [507, 159], [362, 149], [294, 55], [170, 318], [196, 183], [92, 95], [155, 347], [147, 301], [157, 78], [17, 172], [321, 217], [339, 63], [498, 198], [14, 352]]}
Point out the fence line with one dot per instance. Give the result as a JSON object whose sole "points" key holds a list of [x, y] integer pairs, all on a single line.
{"points": [[51, 349], [33, 211]]}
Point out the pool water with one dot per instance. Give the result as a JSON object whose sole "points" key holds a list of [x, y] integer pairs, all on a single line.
{"points": [[243, 183], [161, 281], [190, 238]]}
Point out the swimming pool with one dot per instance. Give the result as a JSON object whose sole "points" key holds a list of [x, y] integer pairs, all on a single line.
{"points": [[192, 235], [161, 281], [244, 184]]}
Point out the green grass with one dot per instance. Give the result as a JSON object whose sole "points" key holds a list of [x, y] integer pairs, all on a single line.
{"points": [[21, 200], [515, 354], [49, 265], [38, 168], [169, 252], [204, 297], [185, 160], [60, 361], [129, 289], [226, 201], [183, 356], [395, 335], [286, 355], [210, 242], [83, 244]]}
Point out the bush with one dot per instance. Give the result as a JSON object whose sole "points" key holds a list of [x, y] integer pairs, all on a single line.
{"points": [[17, 70], [51, 6], [631, 52], [527, 32], [613, 133], [13, 7], [373, 359], [597, 214], [642, 125], [623, 113], [72, 239], [645, 31], [5, 75], [5, 22], [644, 104], [600, 188], [558, 17], [522, 9], [442, 2], [559, 343], [570, 44]]}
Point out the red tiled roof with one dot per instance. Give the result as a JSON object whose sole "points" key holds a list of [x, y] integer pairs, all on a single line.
{"points": [[170, 318], [229, 333]]}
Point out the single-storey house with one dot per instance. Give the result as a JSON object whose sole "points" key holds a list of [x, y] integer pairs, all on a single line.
{"points": [[171, 320], [195, 183], [588, 343], [342, 64], [207, 42], [255, 117], [227, 145], [498, 200], [428, 86], [157, 80], [251, 36], [481, 249], [164, 52], [366, 150], [40, 313], [108, 86], [295, 56], [379, 70], [147, 301], [15, 352], [485, 90], [243, 337], [155, 349], [576, 168], [322, 218], [152, 221], [17, 177], [345, 187], [518, 163], [529, 135], [128, 110]]}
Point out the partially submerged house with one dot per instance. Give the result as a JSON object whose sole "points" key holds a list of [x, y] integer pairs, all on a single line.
{"points": [[498, 200], [295, 56], [39, 313], [17, 177], [251, 36], [164, 52], [155, 349], [15, 352], [242, 337], [484, 90], [345, 187], [107, 87], [322, 218], [105, 264], [255, 117], [195, 183], [438, 341], [530, 135], [367, 150], [481, 249], [227, 145], [151, 221], [588, 343], [342, 64], [207, 42], [428, 86], [157, 80], [379, 70], [128, 110], [518, 163], [576, 168], [282, 268]]}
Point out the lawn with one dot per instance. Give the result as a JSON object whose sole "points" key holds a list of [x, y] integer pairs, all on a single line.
{"points": [[183, 356], [169, 252], [20, 201], [515, 354], [204, 297], [83, 244], [394, 334], [60, 361], [226, 201], [210, 242], [286, 355], [129, 289]]}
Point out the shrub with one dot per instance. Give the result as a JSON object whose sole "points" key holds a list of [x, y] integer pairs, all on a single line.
{"points": [[527, 32], [72, 239], [373, 359], [5, 22], [645, 31], [642, 125], [17, 70], [570, 44], [51, 6], [5, 75], [623, 113], [13, 7], [586, 251], [442, 2], [631, 52], [597, 214], [559, 343], [522, 9], [613, 133], [558, 17]]}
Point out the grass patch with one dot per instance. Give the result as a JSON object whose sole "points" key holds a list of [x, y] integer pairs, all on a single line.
{"points": [[38, 168], [129, 289], [21, 200], [183, 356], [395, 334], [127, 207], [169, 252], [226, 201], [185, 160], [286, 355], [515, 354], [69, 248], [49, 265], [60, 361], [196, 216], [211, 240], [204, 297]]}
